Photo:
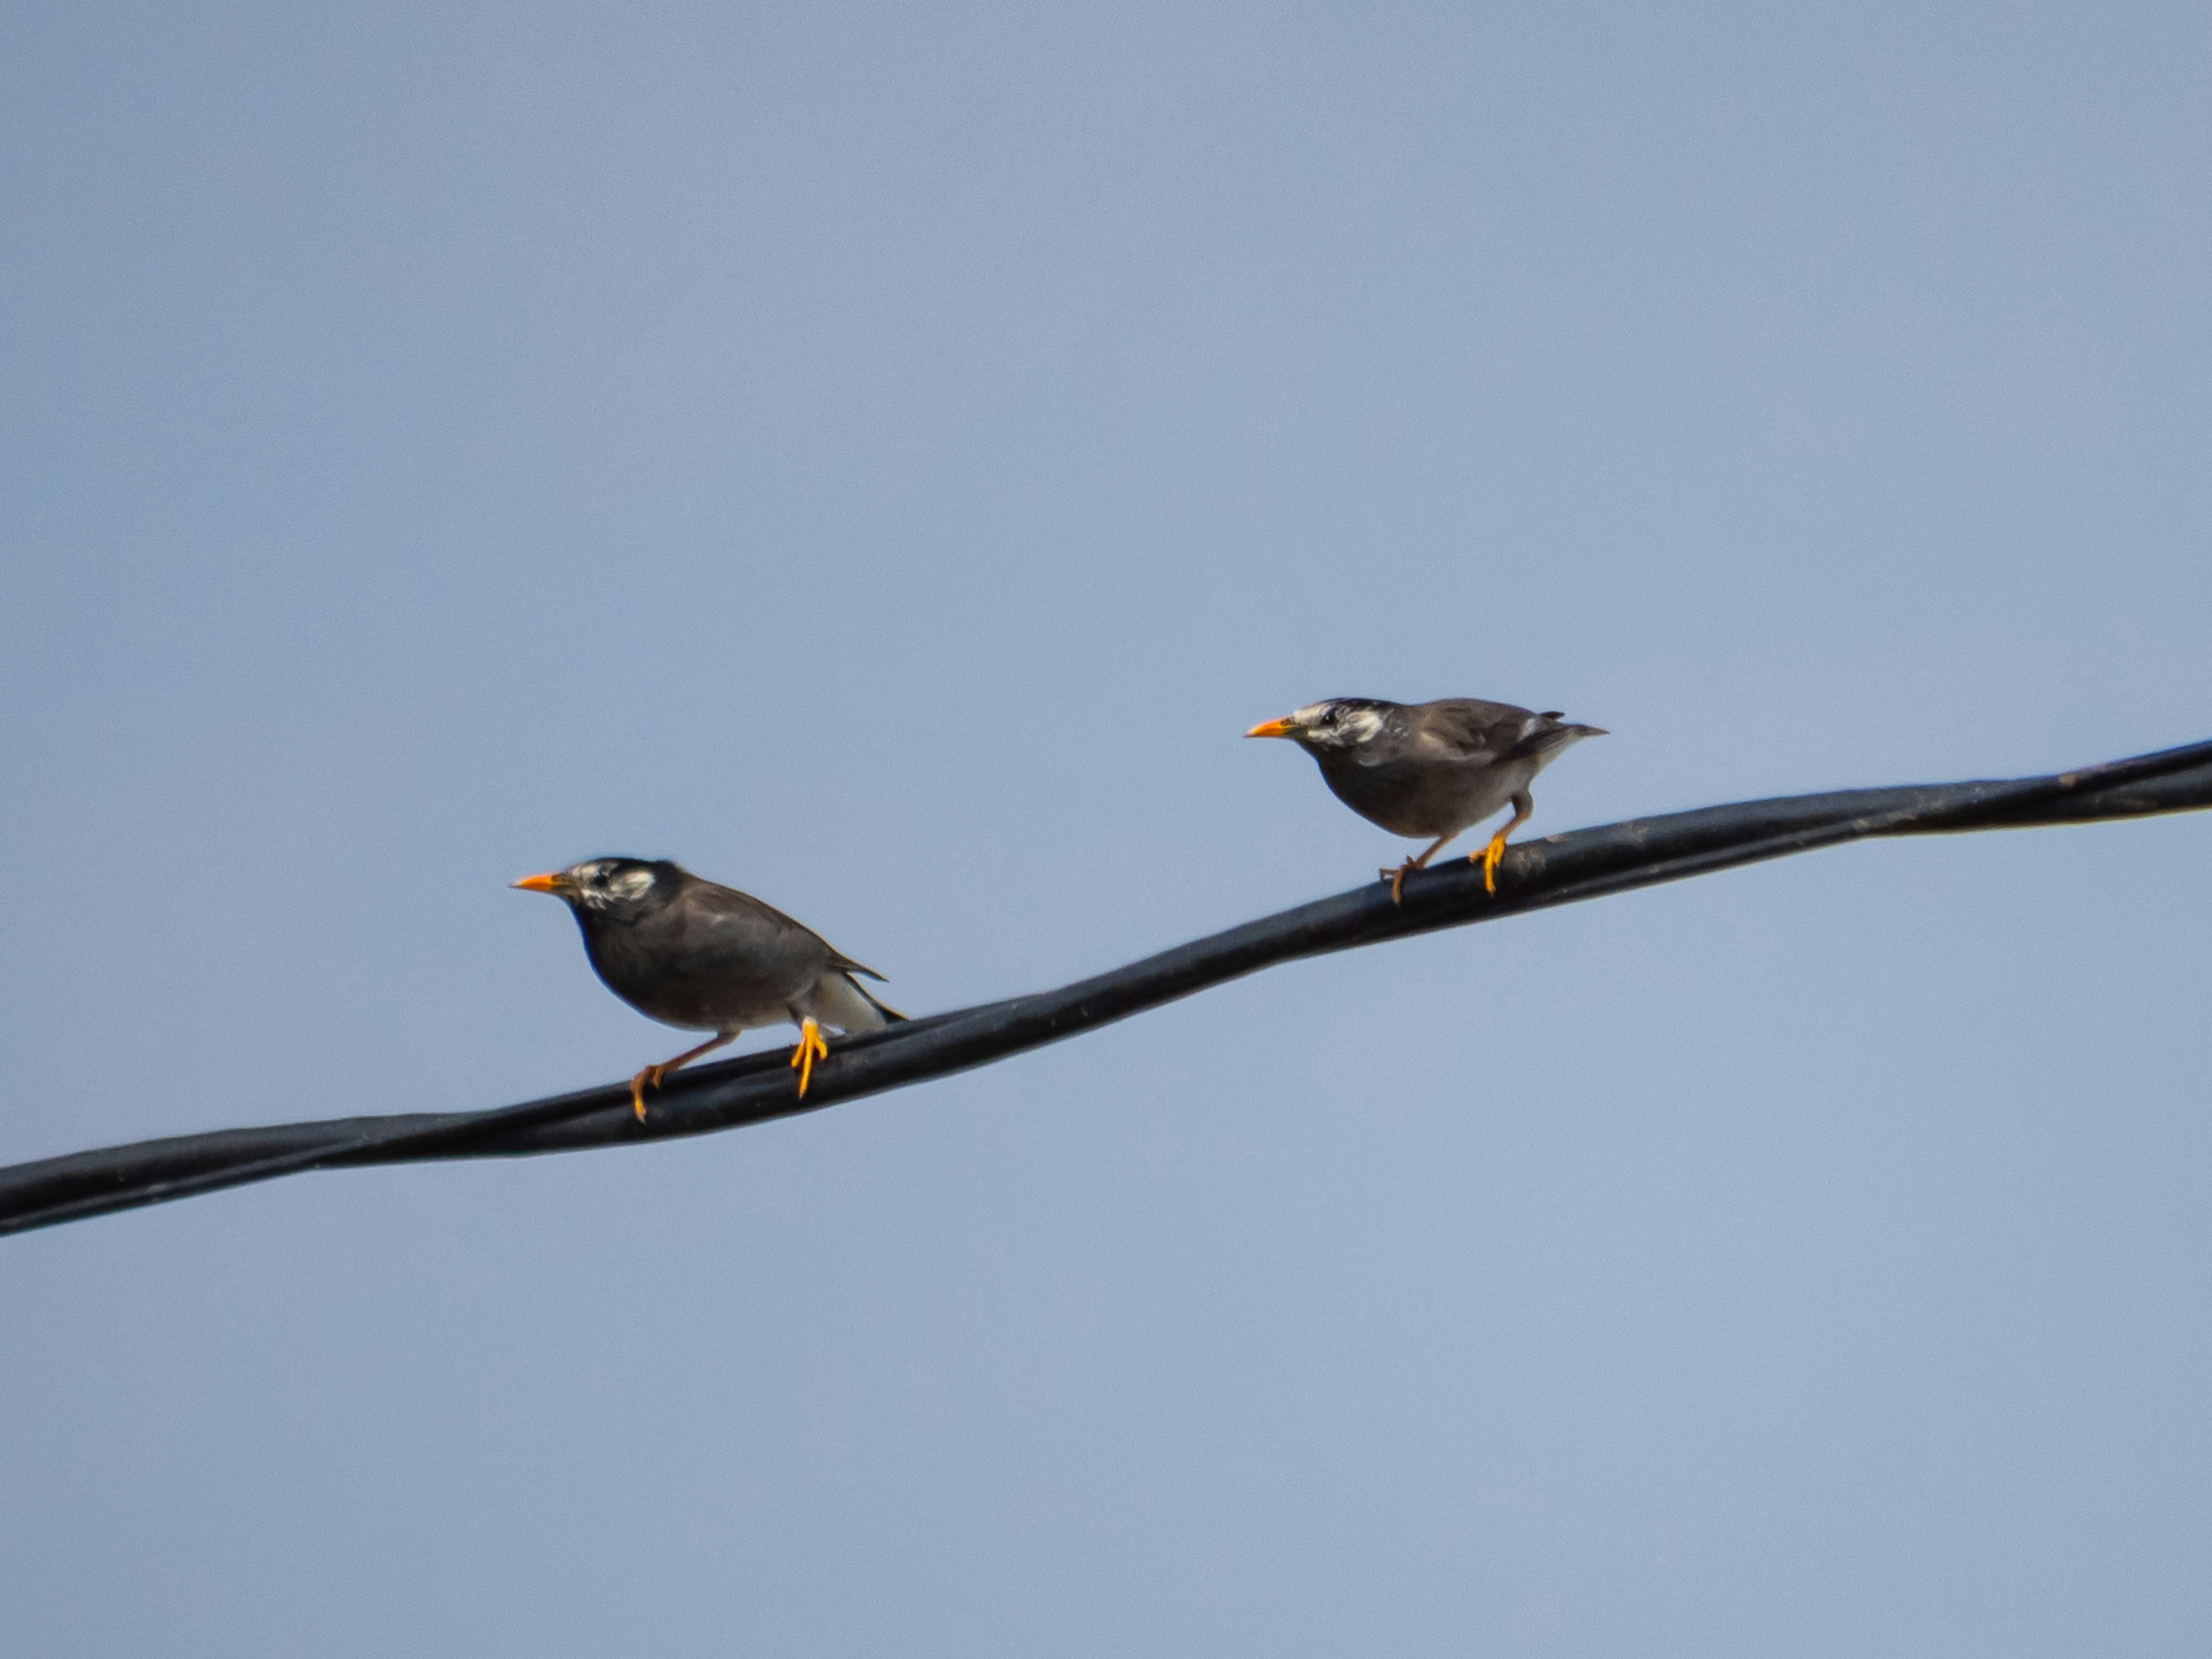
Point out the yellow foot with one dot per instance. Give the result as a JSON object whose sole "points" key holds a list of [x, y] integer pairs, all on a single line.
{"points": [[1488, 858], [1395, 875], [811, 1048], [651, 1075]]}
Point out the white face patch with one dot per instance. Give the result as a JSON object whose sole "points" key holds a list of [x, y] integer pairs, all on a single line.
{"points": [[1349, 725], [597, 888]]}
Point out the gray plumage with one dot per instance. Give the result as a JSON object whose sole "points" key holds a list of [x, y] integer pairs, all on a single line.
{"points": [[695, 955], [1429, 768]]}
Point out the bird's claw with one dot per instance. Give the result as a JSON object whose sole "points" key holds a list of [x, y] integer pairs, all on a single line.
{"points": [[811, 1048], [1488, 858], [1395, 875], [650, 1074]]}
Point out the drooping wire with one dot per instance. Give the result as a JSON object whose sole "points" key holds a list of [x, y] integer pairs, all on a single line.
{"points": [[1553, 870]]}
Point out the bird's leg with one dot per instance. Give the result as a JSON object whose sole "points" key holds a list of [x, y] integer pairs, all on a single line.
{"points": [[1524, 805], [811, 1048], [1396, 877], [652, 1074]]}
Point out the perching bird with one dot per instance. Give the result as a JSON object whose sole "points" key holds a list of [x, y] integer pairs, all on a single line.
{"points": [[1429, 768], [704, 958]]}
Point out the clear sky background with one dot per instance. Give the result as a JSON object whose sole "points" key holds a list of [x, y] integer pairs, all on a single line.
{"points": [[884, 457]]}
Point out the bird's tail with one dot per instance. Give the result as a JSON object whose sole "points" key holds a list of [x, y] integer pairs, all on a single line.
{"points": [[838, 999], [1552, 735], [891, 1015]]}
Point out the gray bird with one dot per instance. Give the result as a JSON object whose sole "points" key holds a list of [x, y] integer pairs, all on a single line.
{"points": [[704, 958], [1429, 768]]}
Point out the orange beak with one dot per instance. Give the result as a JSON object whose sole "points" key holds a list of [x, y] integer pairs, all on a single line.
{"points": [[1272, 729], [551, 881]]}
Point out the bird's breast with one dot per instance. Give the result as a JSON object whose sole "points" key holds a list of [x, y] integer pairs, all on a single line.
{"points": [[702, 979], [1423, 797]]}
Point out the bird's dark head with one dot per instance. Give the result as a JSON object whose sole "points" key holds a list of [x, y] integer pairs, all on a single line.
{"points": [[609, 886], [1333, 723]]}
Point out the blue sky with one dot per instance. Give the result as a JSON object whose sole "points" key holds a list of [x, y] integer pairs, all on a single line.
{"points": [[883, 457]]}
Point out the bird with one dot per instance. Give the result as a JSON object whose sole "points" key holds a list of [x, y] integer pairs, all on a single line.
{"points": [[700, 957], [1429, 768]]}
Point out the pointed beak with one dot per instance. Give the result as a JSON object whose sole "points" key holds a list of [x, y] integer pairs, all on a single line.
{"points": [[552, 881], [1272, 729]]}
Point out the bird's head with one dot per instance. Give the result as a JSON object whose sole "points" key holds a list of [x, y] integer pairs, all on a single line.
{"points": [[608, 885], [1333, 723]]}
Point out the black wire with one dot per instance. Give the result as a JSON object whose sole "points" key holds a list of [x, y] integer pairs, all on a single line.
{"points": [[756, 1088]]}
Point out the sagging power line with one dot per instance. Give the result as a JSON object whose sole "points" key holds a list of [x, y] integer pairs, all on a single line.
{"points": [[1561, 869]]}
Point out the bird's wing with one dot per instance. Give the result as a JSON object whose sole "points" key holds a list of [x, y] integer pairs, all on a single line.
{"points": [[1468, 729], [742, 921], [742, 909], [711, 898]]}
